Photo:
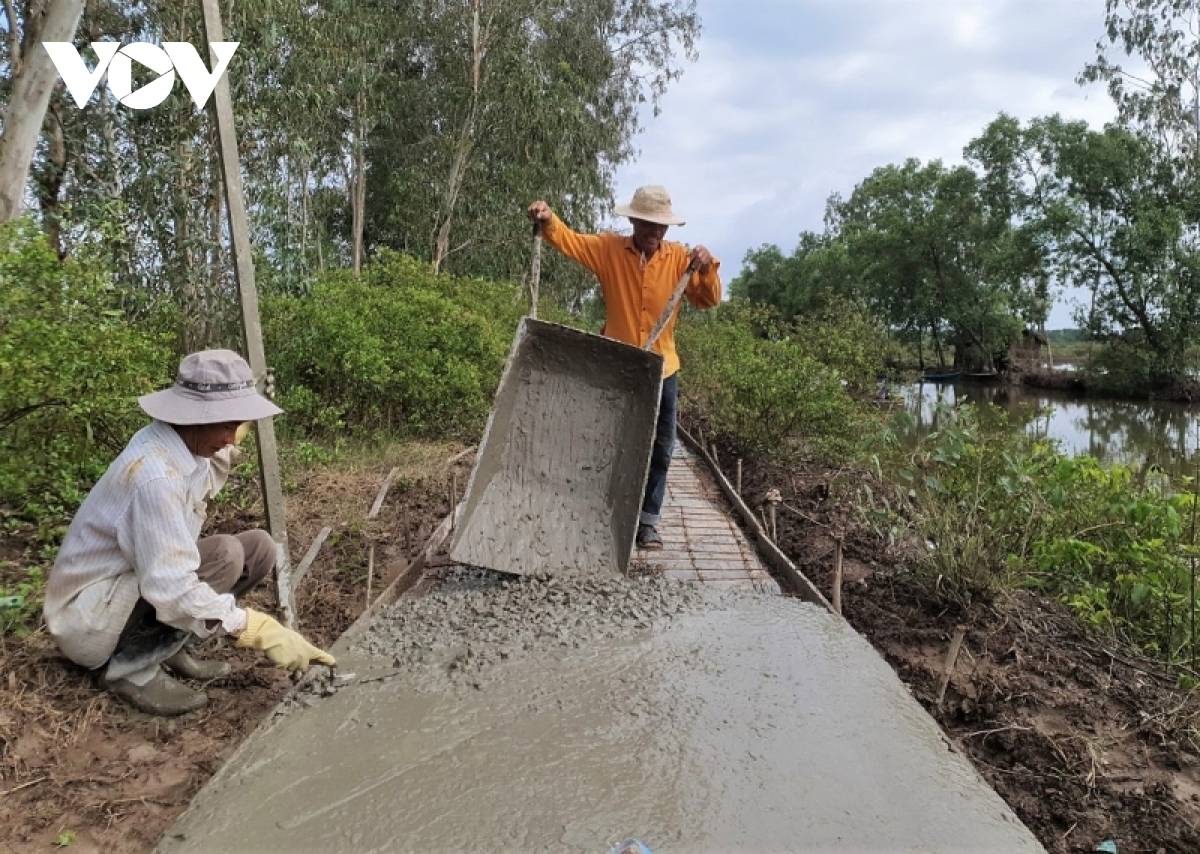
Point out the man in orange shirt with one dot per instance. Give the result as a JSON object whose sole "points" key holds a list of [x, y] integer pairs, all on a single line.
{"points": [[637, 275]]}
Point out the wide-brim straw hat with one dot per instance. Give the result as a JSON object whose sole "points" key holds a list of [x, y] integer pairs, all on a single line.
{"points": [[653, 204], [213, 387]]}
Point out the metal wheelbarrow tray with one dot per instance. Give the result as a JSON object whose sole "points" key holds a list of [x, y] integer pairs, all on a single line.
{"points": [[560, 473]]}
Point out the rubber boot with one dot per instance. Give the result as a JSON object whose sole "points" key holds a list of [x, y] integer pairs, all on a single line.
{"points": [[162, 695], [191, 668]]}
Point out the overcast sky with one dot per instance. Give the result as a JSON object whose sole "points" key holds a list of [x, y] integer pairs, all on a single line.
{"points": [[792, 100]]}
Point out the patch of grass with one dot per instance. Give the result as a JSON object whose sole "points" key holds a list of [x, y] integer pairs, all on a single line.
{"points": [[66, 838]]}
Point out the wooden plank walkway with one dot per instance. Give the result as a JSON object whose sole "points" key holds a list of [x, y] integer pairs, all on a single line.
{"points": [[701, 542]]}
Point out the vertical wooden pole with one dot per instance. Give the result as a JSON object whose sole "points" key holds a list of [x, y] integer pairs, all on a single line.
{"points": [[837, 575], [370, 573], [739, 476], [243, 266], [960, 632]]}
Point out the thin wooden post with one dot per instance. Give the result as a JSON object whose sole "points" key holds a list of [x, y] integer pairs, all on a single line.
{"points": [[739, 476], [370, 572], [243, 268], [302, 568], [453, 500], [836, 601], [951, 659], [383, 491]]}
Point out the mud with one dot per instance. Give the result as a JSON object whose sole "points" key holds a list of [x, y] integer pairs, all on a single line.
{"points": [[739, 722], [559, 477]]}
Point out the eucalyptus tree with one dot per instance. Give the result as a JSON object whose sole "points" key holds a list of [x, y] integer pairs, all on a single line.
{"points": [[524, 99], [29, 76]]}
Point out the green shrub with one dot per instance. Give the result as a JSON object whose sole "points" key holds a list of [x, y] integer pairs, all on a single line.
{"points": [[71, 369], [987, 507], [756, 386], [399, 349]]}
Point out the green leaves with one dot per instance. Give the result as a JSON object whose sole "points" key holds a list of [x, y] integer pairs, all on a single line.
{"points": [[759, 386], [71, 368], [399, 349]]}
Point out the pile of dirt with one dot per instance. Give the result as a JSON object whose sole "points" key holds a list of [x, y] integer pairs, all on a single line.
{"points": [[80, 768], [1085, 742]]}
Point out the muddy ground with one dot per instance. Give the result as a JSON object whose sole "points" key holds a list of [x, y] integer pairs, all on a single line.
{"points": [[83, 771], [1086, 742]]}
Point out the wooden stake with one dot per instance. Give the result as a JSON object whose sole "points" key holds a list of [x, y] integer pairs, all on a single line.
{"points": [[739, 476], [370, 572], [243, 269], [453, 500], [407, 536], [309, 556], [951, 659], [837, 575], [383, 491], [774, 523]]}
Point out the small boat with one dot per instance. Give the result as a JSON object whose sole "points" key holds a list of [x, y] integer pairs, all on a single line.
{"points": [[981, 376], [941, 376]]}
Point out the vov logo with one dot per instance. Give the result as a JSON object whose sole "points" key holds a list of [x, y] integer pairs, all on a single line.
{"points": [[118, 61]]}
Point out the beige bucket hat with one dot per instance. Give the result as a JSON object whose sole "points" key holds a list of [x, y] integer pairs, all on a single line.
{"points": [[213, 387], [651, 203]]}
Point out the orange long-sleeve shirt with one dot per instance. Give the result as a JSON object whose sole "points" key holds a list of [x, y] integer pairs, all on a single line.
{"points": [[635, 296]]}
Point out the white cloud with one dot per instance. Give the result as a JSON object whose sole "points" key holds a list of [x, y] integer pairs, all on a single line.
{"points": [[792, 100]]}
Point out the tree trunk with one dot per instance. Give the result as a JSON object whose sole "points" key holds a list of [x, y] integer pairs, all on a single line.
{"points": [[31, 87], [466, 139], [360, 187], [49, 181]]}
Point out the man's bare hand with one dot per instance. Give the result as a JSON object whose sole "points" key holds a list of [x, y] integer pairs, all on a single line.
{"points": [[539, 212], [702, 257]]}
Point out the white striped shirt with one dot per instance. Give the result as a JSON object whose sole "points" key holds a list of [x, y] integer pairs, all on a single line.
{"points": [[135, 536]]}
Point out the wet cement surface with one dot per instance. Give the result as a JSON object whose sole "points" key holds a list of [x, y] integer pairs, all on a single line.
{"points": [[560, 471], [740, 723]]}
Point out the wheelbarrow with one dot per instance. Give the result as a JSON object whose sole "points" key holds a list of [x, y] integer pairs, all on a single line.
{"points": [[561, 470]]}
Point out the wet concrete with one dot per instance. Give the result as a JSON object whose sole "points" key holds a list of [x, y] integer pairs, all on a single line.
{"points": [[559, 476], [734, 722]]}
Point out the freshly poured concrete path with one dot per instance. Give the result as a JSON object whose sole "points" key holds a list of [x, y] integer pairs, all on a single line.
{"points": [[763, 724]]}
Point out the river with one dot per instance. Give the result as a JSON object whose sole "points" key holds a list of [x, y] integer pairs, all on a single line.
{"points": [[1136, 433]]}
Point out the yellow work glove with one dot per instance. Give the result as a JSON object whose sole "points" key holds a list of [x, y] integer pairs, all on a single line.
{"points": [[283, 646], [242, 430]]}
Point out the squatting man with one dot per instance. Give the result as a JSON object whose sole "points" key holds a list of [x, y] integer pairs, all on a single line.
{"points": [[637, 275], [134, 583]]}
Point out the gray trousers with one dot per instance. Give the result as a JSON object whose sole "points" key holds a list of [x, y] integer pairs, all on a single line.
{"points": [[228, 564]]}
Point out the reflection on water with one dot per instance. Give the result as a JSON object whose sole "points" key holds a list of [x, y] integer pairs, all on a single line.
{"points": [[1113, 431]]}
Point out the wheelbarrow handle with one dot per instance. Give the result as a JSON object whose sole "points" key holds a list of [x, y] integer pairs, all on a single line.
{"points": [[535, 269], [672, 304]]}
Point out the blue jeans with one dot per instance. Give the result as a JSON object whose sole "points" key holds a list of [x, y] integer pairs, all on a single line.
{"points": [[660, 456]]}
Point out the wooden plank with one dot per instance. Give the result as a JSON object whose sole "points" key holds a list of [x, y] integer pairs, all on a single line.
{"points": [[243, 266], [383, 491], [306, 562]]}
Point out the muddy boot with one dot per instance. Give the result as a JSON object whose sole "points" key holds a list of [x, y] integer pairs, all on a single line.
{"points": [[648, 538], [190, 668], [162, 695]]}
